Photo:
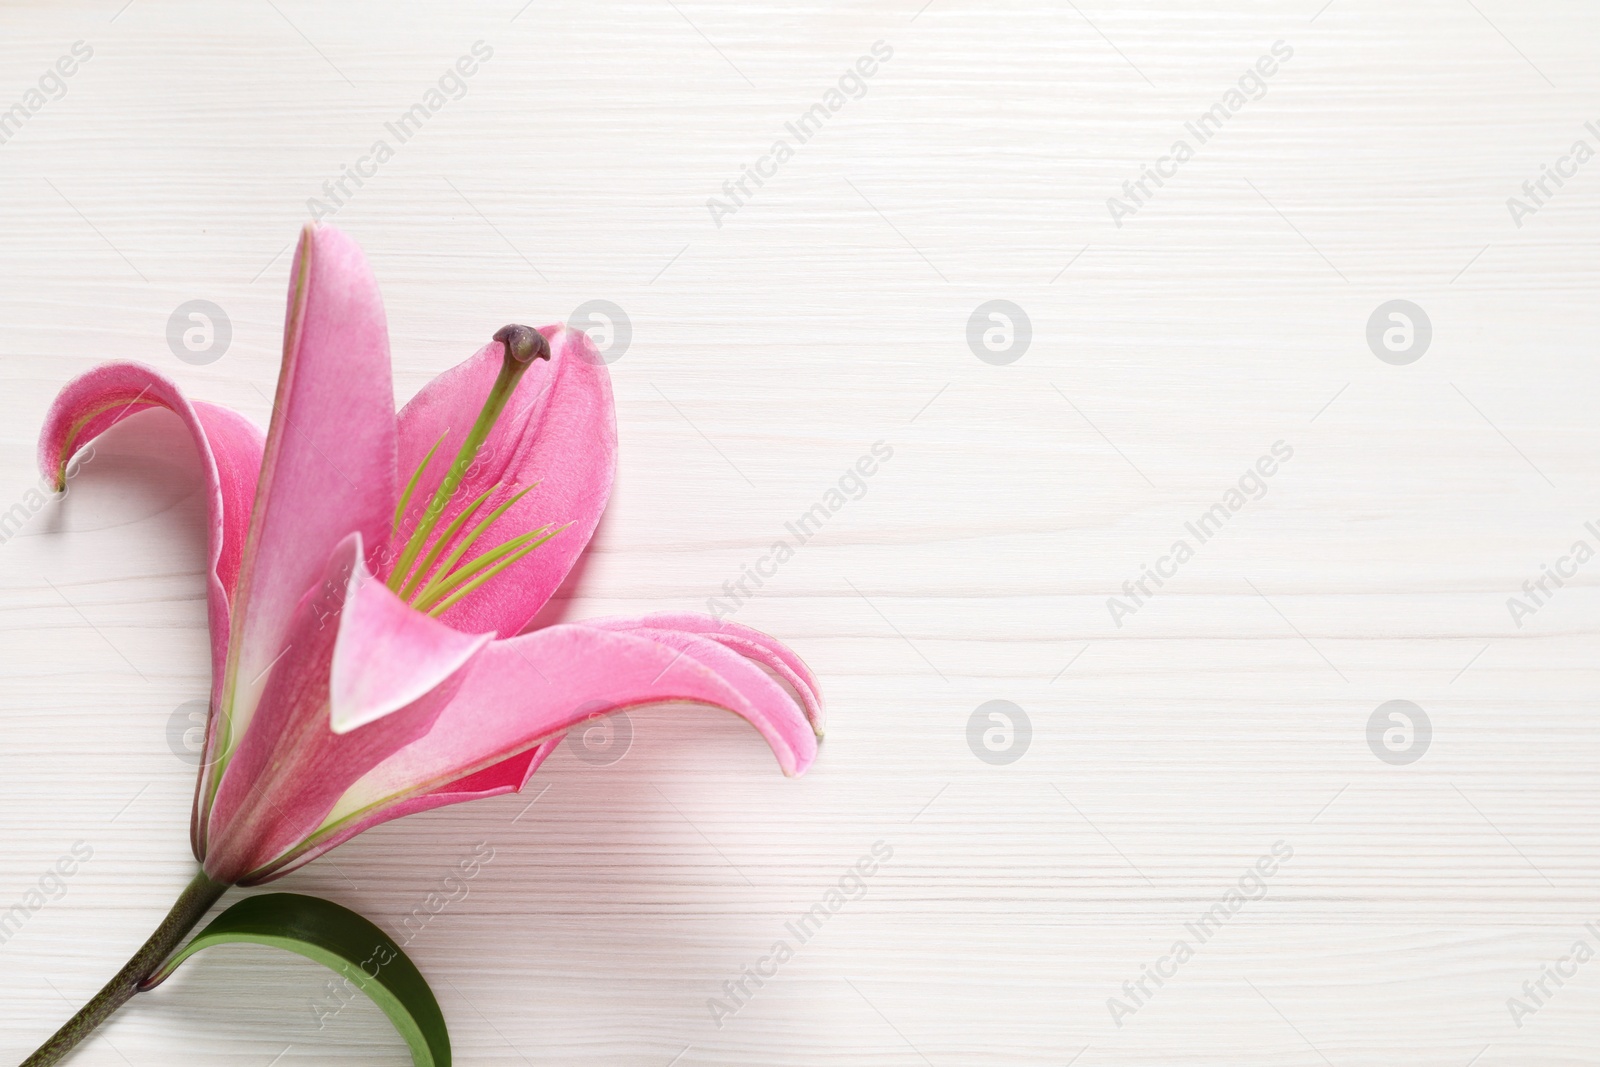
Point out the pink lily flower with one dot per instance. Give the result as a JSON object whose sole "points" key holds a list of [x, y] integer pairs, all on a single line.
{"points": [[368, 594]]}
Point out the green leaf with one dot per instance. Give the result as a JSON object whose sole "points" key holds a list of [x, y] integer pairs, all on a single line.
{"points": [[345, 943]]}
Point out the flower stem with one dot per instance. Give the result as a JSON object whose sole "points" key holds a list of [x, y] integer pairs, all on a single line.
{"points": [[190, 908]]}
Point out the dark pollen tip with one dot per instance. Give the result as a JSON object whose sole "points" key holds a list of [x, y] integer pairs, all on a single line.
{"points": [[523, 343]]}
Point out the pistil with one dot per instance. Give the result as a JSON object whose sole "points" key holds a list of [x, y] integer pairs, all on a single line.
{"points": [[520, 346]]}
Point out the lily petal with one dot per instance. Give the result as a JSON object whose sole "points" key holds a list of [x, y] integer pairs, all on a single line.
{"points": [[754, 684], [230, 458], [714, 644], [525, 689], [291, 767], [507, 776], [747, 641], [558, 430], [329, 465], [388, 655], [524, 692]]}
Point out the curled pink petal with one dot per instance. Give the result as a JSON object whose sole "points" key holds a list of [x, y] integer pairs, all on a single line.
{"points": [[729, 650], [743, 674], [230, 459], [747, 641], [523, 691]]}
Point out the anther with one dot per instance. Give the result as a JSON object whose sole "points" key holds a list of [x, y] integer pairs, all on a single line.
{"points": [[523, 343]]}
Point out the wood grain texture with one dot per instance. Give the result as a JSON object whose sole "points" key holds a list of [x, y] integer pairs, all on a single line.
{"points": [[827, 313]]}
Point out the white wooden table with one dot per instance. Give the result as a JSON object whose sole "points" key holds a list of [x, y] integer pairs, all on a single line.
{"points": [[771, 346]]}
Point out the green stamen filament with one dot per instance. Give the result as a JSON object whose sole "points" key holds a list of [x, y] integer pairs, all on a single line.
{"points": [[520, 346], [476, 564], [451, 600], [405, 498], [467, 542], [443, 539]]}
